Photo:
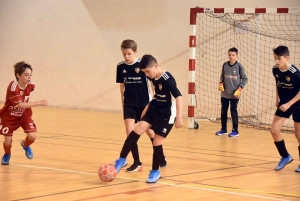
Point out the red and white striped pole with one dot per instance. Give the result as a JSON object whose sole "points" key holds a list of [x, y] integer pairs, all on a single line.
{"points": [[192, 63]]}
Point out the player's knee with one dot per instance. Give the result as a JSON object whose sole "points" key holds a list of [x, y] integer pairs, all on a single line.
{"points": [[224, 111], [274, 131], [158, 140], [8, 143], [31, 136], [150, 133], [139, 129], [156, 143], [128, 132], [224, 108]]}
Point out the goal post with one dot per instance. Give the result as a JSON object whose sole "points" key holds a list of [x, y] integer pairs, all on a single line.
{"points": [[254, 32]]}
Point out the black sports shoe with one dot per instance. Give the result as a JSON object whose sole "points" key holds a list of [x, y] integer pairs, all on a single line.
{"points": [[135, 167]]}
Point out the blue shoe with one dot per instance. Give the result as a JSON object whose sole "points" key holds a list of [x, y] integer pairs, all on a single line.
{"points": [[28, 151], [283, 162], [153, 176], [5, 159], [234, 133], [125, 164], [121, 162], [298, 169], [221, 132]]}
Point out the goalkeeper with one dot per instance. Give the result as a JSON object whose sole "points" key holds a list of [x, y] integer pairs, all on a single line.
{"points": [[232, 81]]}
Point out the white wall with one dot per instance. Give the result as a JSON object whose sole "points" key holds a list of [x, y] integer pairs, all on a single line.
{"points": [[74, 46]]}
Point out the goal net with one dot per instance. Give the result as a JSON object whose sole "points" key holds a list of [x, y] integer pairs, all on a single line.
{"points": [[254, 32]]}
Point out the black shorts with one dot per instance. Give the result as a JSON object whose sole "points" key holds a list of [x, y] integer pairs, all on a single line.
{"points": [[293, 110], [160, 125], [133, 113]]}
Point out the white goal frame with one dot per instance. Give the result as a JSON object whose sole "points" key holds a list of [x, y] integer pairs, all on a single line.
{"points": [[193, 44]]}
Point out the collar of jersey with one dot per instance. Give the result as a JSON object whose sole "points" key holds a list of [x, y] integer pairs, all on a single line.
{"points": [[20, 86], [132, 63], [160, 76], [286, 69]]}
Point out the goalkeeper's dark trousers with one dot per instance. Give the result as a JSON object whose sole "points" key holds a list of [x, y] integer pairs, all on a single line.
{"points": [[233, 110]]}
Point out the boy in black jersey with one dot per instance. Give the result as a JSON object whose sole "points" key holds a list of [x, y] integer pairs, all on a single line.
{"points": [[161, 113], [287, 79], [135, 95]]}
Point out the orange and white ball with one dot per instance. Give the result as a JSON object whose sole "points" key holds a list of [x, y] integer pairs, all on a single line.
{"points": [[107, 172]]}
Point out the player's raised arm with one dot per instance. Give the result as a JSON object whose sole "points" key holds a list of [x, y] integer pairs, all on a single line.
{"points": [[24, 105]]}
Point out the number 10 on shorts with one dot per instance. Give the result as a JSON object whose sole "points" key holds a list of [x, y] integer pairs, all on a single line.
{"points": [[4, 130]]}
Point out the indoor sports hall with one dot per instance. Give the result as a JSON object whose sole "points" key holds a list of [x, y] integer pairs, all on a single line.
{"points": [[73, 47]]}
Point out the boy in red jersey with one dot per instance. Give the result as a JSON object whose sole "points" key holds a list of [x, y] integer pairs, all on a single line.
{"points": [[17, 112]]}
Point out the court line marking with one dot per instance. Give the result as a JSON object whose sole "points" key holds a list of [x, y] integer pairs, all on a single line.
{"points": [[72, 191], [191, 152], [163, 183], [60, 135]]}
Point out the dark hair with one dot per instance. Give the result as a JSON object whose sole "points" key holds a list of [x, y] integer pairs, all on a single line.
{"points": [[281, 51], [147, 61], [129, 44], [20, 67], [233, 49]]}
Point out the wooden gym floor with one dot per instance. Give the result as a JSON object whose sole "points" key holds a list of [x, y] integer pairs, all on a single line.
{"points": [[72, 144]]}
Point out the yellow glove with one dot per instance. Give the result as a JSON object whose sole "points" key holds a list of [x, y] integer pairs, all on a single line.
{"points": [[221, 87], [237, 93]]}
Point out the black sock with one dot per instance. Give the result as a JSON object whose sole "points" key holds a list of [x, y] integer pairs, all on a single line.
{"points": [[224, 119], [129, 143], [162, 151], [235, 119], [299, 151], [163, 156], [135, 153], [281, 148], [157, 155]]}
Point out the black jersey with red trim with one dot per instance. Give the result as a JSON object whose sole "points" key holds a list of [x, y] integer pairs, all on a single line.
{"points": [[287, 83], [136, 93], [165, 93]]}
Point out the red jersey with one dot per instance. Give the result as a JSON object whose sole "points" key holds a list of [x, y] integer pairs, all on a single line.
{"points": [[14, 95]]}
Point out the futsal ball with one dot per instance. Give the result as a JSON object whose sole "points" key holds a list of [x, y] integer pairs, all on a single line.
{"points": [[107, 172]]}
